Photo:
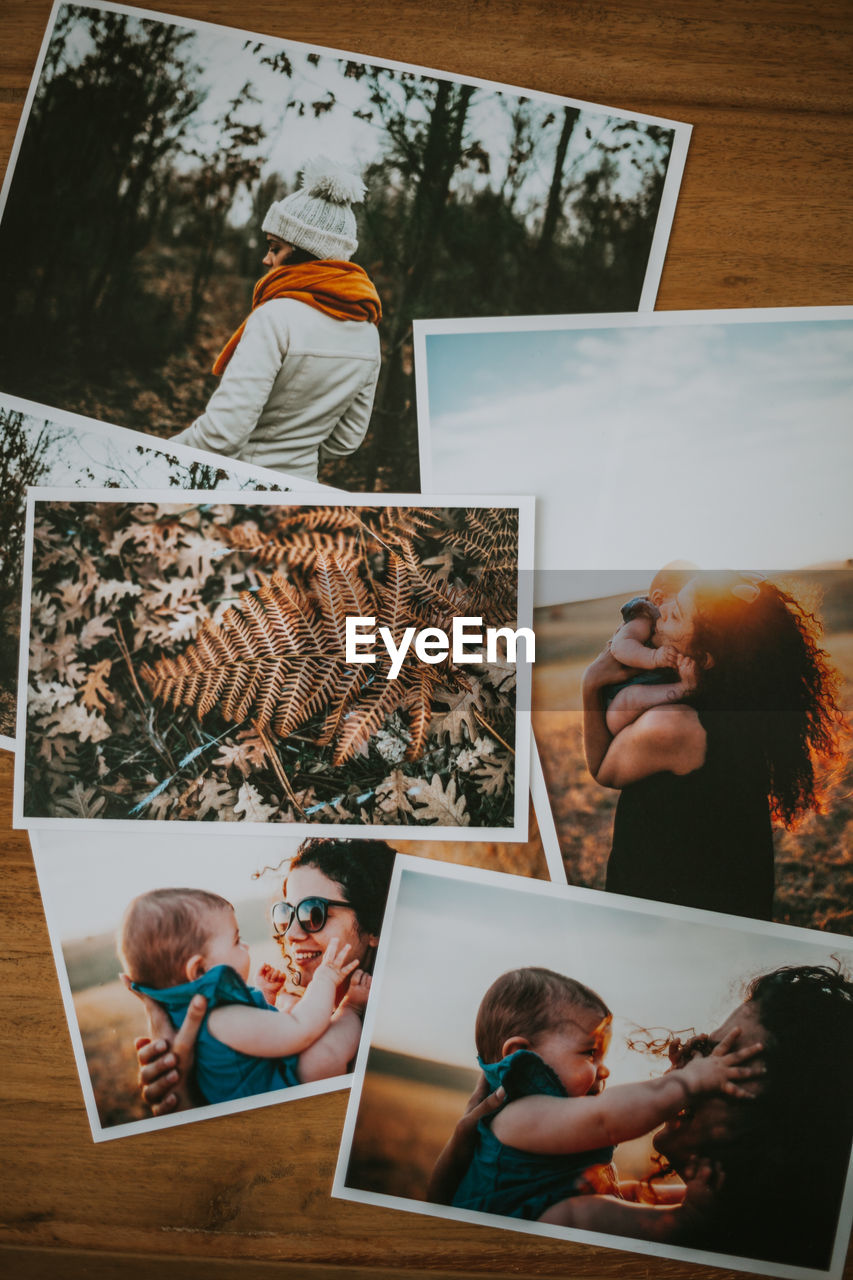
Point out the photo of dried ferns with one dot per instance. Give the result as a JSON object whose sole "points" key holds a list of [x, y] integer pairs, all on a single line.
{"points": [[187, 662]]}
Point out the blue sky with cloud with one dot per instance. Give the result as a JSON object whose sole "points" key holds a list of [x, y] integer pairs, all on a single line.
{"points": [[729, 444]]}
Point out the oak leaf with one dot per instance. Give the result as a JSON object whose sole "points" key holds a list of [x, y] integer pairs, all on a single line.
{"points": [[95, 693], [435, 804], [251, 807]]}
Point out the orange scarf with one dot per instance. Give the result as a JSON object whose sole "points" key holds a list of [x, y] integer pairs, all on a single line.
{"points": [[341, 289]]}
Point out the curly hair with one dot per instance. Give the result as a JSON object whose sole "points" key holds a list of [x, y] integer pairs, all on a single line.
{"points": [[361, 867], [769, 686], [784, 1164]]}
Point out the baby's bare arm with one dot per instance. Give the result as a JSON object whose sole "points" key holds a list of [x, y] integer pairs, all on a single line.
{"points": [[628, 646], [256, 1032], [630, 702], [336, 1048], [563, 1126]]}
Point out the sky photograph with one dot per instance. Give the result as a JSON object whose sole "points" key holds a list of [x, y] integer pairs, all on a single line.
{"points": [[651, 438]]}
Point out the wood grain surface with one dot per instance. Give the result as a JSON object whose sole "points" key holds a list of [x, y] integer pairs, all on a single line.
{"points": [[763, 220]]}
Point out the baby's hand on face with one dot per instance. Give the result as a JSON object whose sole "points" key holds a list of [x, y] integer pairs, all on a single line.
{"points": [[270, 982], [723, 1068], [686, 668], [666, 656], [357, 992], [335, 962]]}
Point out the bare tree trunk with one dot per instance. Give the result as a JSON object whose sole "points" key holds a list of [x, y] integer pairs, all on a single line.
{"points": [[554, 206]]}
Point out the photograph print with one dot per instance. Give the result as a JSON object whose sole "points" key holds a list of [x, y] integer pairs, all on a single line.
{"points": [[693, 689], [63, 450], [190, 660], [156, 914], [249, 226], [658, 1085]]}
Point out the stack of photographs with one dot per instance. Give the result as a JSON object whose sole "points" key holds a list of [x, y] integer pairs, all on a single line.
{"points": [[452, 710]]}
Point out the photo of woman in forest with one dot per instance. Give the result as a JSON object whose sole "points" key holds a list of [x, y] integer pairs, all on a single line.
{"points": [[299, 375], [477, 196]]}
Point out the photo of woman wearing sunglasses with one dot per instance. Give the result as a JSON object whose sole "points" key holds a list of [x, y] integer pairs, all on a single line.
{"points": [[216, 978], [328, 925]]}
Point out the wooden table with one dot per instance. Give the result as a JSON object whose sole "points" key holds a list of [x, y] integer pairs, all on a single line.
{"points": [[763, 220]]}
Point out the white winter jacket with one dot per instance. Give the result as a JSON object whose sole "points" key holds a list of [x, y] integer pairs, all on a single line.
{"points": [[299, 386]]}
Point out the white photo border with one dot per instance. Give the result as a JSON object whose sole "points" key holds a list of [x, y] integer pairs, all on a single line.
{"points": [[121, 438], [406, 866], [518, 831]]}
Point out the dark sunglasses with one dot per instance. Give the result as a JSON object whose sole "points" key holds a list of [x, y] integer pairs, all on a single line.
{"points": [[311, 914]]}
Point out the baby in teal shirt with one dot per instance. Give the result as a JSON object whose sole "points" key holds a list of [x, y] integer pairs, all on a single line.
{"points": [[544, 1037], [177, 943]]}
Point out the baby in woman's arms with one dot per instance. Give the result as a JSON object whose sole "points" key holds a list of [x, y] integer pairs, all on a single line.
{"points": [[665, 674], [177, 943], [544, 1038]]}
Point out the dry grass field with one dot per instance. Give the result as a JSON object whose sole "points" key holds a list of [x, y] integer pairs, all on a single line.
{"points": [[814, 863]]}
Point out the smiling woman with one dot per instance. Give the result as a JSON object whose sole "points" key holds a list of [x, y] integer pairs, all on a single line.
{"points": [[334, 901]]}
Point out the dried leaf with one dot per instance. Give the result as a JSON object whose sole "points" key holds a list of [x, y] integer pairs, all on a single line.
{"points": [[251, 807], [95, 694], [80, 802], [392, 801], [435, 804]]}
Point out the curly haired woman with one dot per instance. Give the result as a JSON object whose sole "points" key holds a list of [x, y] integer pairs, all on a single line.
{"points": [[702, 778], [299, 374], [742, 1159], [334, 890]]}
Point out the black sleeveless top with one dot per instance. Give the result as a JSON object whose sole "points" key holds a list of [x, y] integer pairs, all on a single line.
{"points": [[703, 839]]}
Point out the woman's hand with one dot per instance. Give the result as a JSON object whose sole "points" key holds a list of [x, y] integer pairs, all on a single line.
{"points": [[454, 1160], [165, 1057]]}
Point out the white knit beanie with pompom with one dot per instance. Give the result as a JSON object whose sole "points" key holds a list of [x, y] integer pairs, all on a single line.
{"points": [[319, 217]]}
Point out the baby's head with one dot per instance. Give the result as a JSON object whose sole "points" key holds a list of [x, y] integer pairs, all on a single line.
{"points": [[669, 580], [172, 936], [561, 1020]]}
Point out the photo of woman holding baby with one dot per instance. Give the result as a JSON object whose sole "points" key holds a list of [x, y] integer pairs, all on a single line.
{"points": [[607, 1066], [698, 753], [239, 972], [327, 929], [730, 742]]}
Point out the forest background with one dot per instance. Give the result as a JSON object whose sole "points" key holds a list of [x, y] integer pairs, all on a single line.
{"points": [[130, 240]]}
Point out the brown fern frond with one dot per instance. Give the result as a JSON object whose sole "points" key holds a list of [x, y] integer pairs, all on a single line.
{"points": [[317, 518], [418, 703], [350, 681], [341, 594], [362, 723], [395, 597], [278, 654]]}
